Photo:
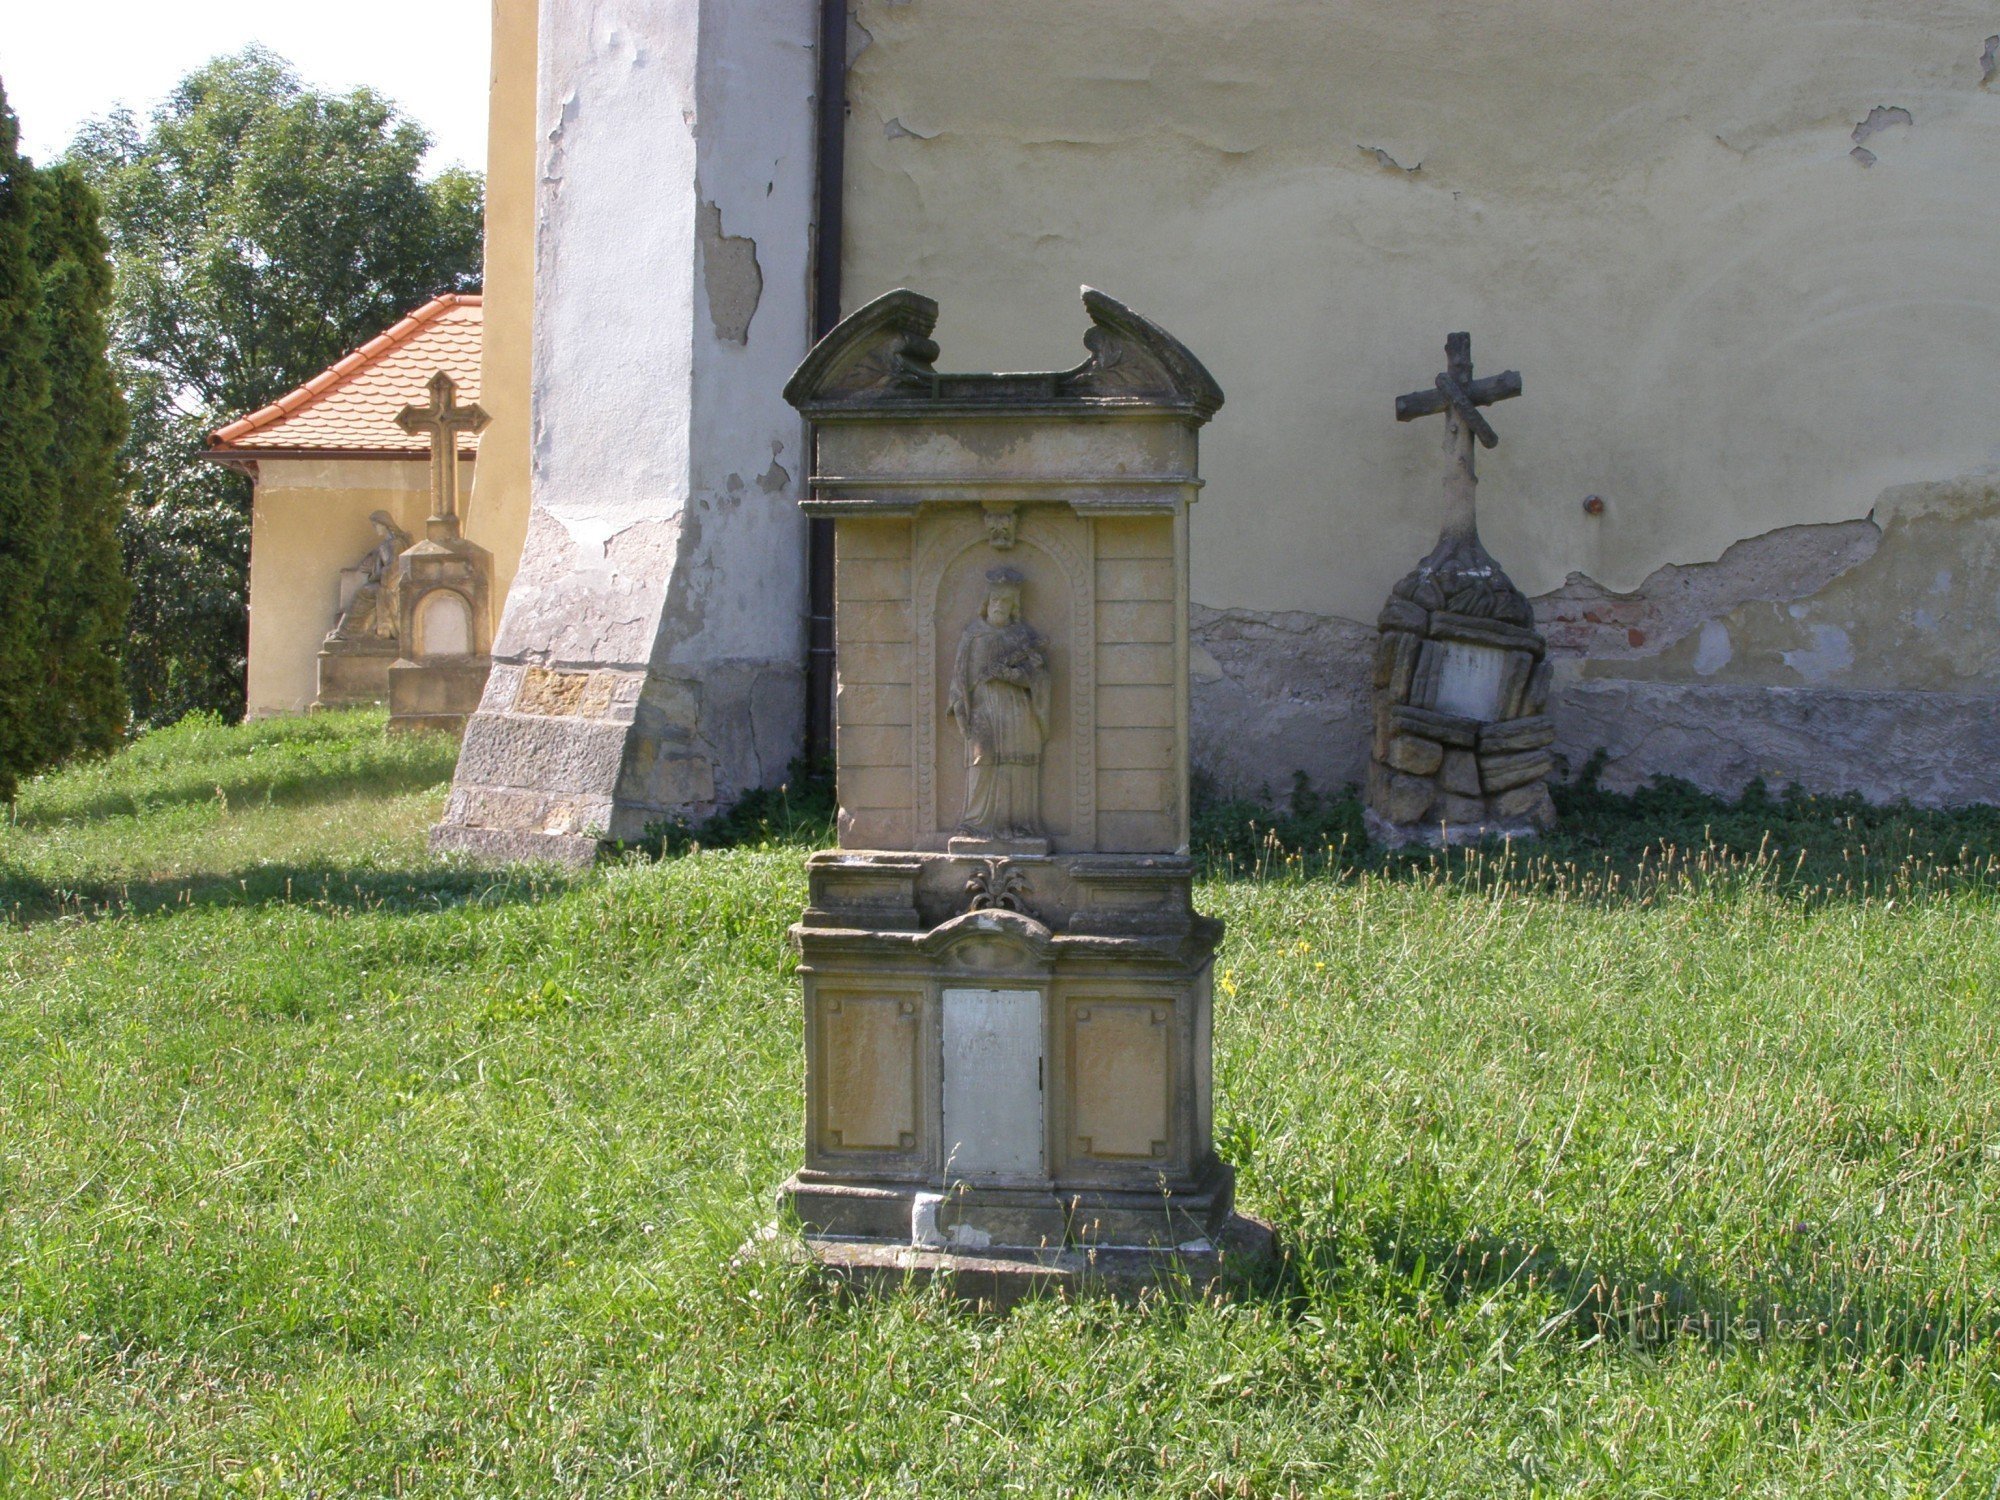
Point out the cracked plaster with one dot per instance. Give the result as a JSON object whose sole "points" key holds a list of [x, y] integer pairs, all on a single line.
{"points": [[660, 354], [1726, 329], [1754, 353], [1653, 217], [1858, 656]]}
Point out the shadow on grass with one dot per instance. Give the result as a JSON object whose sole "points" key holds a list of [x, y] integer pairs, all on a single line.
{"points": [[331, 889], [1626, 847], [1593, 1302], [247, 783]]}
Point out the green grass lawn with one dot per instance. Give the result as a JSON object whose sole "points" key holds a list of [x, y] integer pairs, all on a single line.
{"points": [[1638, 1168]]}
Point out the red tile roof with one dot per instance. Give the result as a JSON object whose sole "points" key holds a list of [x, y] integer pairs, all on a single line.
{"points": [[352, 407]]}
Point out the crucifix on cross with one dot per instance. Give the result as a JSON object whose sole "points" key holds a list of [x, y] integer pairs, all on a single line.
{"points": [[441, 420], [1459, 397]]}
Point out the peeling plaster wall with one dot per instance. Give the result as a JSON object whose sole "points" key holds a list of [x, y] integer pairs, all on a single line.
{"points": [[649, 658], [1745, 256], [1911, 601], [1862, 656]]}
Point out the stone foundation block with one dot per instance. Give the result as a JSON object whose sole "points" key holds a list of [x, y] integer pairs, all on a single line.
{"points": [[1499, 773], [1447, 729], [1402, 615], [1456, 809], [664, 776], [1416, 756], [1239, 1253], [526, 750], [1408, 798], [1530, 802], [1533, 733], [1460, 773], [1385, 730]]}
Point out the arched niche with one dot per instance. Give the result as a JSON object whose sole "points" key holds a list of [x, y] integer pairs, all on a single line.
{"points": [[1051, 550], [444, 624]]}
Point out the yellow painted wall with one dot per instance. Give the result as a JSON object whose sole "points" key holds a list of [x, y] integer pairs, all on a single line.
{"points": [[308, 520], [497, 512], [1728, 320]]}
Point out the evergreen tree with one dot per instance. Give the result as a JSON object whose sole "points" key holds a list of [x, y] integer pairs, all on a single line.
{"points": [[27, 510], [85, 594]]}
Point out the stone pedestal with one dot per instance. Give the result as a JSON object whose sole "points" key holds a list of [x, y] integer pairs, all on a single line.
{"points": [[1462, 735], [354, 672], [1007, 989], [444, 588], [1032, 1076]]}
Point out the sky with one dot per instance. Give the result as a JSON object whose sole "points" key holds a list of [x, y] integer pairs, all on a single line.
{"points": [[65, 61]]}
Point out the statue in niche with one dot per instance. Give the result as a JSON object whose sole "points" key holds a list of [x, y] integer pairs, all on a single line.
{"points": [[1000, 696], [371, 611]]}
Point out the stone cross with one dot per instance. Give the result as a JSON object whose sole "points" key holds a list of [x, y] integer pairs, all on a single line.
{"points": [[1459, 397], [441, 421]]}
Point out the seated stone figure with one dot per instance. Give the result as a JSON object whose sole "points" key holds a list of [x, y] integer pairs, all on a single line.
{"points": [[370, 612]]}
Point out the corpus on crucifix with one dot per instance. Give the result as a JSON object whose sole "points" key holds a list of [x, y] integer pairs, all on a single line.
{"points": [[441, 420]]}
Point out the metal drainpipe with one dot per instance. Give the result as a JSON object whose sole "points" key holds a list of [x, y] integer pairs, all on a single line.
{"points": [[829, 150]]}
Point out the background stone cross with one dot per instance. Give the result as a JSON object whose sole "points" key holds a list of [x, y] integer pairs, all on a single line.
{"points": [[441, 420], [1459, 397]]}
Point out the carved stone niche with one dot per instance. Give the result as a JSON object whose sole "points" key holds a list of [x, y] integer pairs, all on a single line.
{"points": [[444, 587], [1462, 734], [1007, 987]]}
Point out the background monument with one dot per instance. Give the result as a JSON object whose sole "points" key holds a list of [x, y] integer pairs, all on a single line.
{"points": [[443, 586], [355, 657], [1460, 749], [1007, 989]]}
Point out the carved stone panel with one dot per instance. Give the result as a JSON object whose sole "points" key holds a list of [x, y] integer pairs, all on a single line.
{"points": [[870, 1070], [874, 636], [444, 624], [1469, 680], [1121, 1078]]}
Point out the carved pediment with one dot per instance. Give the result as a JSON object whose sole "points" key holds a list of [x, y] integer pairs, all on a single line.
{"points": [[882, 350], [1132, 357], [991, 942], [882, 357]]}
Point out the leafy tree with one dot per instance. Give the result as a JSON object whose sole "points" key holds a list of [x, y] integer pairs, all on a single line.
{"points": [[27, 504], [84, 593], [261, 229]]}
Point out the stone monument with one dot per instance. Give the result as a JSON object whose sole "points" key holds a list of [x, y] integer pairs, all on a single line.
{"points": [[355, 657], [1460, 751], [443, 585], [1007, 987]]}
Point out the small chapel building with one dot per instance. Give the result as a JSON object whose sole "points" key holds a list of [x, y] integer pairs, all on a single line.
{"points": [[339, 489]]}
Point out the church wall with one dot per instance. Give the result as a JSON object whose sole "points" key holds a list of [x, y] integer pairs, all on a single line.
{"points": [[1743, 255], [309, 520], [650, 657], [497, 515]]}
